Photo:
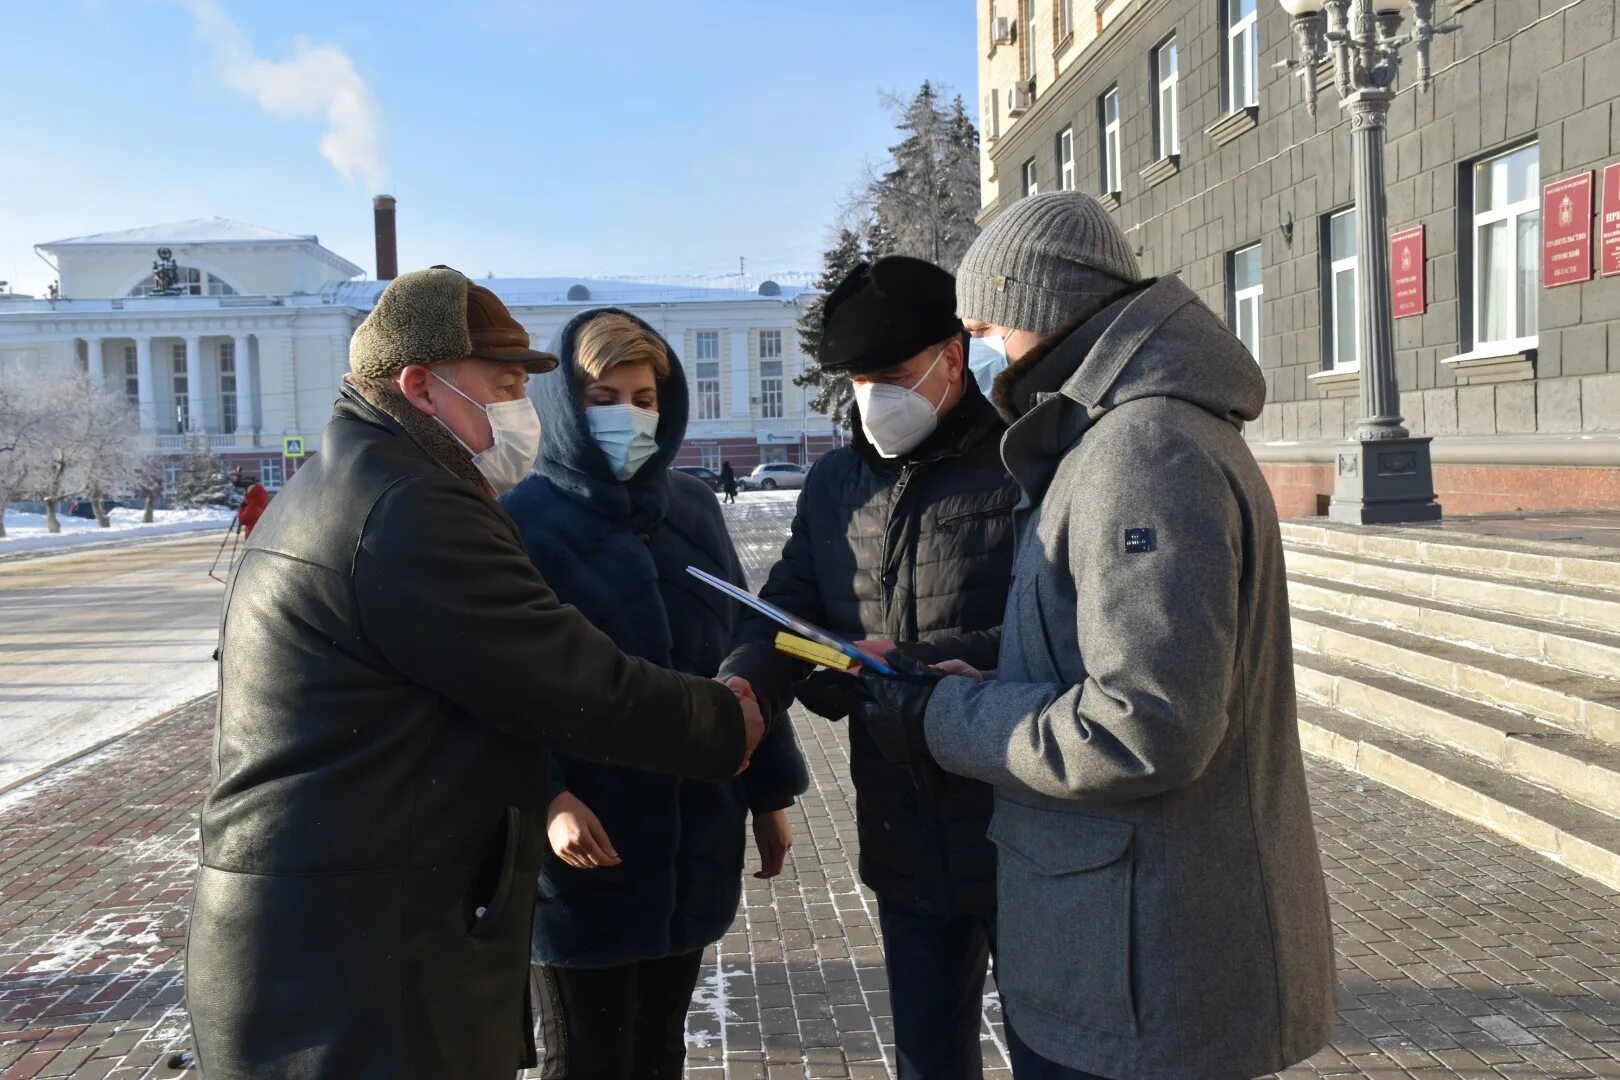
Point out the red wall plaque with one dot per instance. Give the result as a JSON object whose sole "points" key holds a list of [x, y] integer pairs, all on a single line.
{"points": [[1609, 232], [1566, 231], [1406, 272]]}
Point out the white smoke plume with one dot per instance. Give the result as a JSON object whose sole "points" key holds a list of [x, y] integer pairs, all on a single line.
{"points": [[317, 80]]}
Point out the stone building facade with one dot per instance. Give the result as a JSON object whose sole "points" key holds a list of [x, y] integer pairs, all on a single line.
{"points": [[1177, 114]]}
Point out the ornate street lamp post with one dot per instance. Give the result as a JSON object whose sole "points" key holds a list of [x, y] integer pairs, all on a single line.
{"points": [[1384, 476]]}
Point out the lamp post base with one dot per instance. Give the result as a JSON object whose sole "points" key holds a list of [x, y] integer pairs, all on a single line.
{"points": [[1384, 482]]}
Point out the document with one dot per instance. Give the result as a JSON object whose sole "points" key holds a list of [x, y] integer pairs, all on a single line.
{"points": [[793, 622]]}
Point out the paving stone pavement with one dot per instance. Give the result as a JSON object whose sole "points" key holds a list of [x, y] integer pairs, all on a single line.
{"points": [[1461, 955]]}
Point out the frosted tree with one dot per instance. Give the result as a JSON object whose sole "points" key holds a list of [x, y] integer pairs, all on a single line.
{"points": [[23, 417]]}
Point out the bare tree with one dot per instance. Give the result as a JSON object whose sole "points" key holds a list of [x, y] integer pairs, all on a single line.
{"points": [[23, 418], [110, 448], [147, 483], [57, 467]]}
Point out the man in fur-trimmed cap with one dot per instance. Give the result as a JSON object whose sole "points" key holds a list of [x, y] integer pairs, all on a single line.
{"points": [[376, 823]]}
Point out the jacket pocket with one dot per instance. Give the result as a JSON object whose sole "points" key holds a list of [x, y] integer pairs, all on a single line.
{"points": [[950, 520], [487, 919], [1064, 916]]}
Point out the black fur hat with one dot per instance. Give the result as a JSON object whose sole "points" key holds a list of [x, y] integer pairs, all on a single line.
{"points": [[886, 312]]}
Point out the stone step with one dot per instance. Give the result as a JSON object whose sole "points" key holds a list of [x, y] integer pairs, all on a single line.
{"points": [[1578, 768], [1578, 703], [1589, 608], [1592, 652], [1541, 561], [1573, 835]]}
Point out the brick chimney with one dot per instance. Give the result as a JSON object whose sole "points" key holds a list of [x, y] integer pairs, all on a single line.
{"points": [[382, 209]]}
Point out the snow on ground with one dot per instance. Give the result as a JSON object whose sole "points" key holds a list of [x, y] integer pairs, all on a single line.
{"points": [[26, 532]]}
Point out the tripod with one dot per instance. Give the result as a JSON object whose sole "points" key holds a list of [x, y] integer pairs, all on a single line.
{"points": [[234, 530]]}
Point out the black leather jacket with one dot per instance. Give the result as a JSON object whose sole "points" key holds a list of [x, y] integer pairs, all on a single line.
{"points": [[917, 549], [371, 842]]}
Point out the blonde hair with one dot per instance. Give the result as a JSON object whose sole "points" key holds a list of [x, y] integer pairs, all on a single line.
{"points": [[610, 340]]}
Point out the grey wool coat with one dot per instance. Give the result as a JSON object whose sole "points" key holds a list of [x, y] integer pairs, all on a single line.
{"points": [[1163, 913]]}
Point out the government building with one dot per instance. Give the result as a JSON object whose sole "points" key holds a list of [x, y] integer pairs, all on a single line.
{"points": [[245, 352], [1504, 212]]}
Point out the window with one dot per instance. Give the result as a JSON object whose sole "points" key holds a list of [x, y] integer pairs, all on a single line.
{"points": [[132, 377], [1065, 159], [1507, 248], [171, 476], [770, 389], [708, 375], [1029, 47], [1342, 326], [227, 387], [710, 458], [770, 344], [1166, 121], [1243, 275], [192, 282], [773, 455], [1242, 54], [1108, 116], [1030, 185], [270, 472], [1065, 19], [182, 389]]}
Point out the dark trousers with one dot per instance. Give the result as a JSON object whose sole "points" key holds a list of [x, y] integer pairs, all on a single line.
{"points": [[1028, 1065], [936, 966], [619, 1023]]}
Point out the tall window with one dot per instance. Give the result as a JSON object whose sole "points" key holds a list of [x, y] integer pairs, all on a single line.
{"points": [[1243, 273], [770, 374], [710, 457], [132, 377], [770, 344], [1339, 300], [270, 472], [182, 388], [708, 374], [1108, 117], [1065, 17], [773, 455], [1507, 246], [1242, 54], [1166, 122], [171, 476], [1065, 159], [227, 387], [1030, 186], [1029, 45]]}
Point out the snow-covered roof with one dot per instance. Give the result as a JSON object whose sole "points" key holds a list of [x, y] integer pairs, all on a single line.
{"points": [[210, 230], [548, 292]]}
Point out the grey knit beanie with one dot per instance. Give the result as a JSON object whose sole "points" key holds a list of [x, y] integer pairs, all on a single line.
{"points": [[1043, 261]]}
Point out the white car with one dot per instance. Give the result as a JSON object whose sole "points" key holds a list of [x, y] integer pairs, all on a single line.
{"points": [[773, 475]]}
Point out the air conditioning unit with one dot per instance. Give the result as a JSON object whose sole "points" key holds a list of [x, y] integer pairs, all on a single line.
{"points": [[1019, 98], [1005, 30]]}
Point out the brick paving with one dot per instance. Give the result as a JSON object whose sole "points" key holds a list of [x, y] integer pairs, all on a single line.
{"points": [[1461, 955]]}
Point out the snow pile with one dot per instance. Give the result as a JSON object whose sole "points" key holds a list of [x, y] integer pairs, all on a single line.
{"points": [[26, 532]]}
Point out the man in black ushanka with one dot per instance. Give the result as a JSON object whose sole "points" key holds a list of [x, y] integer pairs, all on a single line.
{"points": [[904, 537]]}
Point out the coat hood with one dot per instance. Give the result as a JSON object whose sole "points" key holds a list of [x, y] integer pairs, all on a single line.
{"points": [[569, 456]]}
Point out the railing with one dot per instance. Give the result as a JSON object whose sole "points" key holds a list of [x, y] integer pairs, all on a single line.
{"points": [[179, 444]]}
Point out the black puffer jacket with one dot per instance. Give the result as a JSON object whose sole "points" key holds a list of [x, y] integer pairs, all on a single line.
{"points": [[917, 549], [393, 670]]}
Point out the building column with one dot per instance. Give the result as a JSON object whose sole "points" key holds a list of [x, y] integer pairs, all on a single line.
{"points": [[193, 382], [742, 383], [247, 391], [94, 362], [147, 388]]}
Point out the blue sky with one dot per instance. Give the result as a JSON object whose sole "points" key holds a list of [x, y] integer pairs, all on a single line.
{"points": [[525, 138]]}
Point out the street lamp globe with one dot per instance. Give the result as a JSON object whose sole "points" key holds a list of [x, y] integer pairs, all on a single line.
{"points": [[1301, 7]]}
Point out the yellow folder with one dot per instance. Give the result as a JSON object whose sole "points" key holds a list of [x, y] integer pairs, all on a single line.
{"points": [[811, 651]]}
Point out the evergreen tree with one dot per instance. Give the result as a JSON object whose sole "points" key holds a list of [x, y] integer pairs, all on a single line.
{"points": [[925, 202], [832, 391], [202, 480]]}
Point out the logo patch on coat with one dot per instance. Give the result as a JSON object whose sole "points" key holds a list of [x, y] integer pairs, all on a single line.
{"points": [[1139, 540]]}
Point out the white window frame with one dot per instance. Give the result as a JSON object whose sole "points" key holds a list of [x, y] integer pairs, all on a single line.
{"points": [[171, 476], [770, 390], [1250, 296], [1110, 141], [1031, 181], [1167, 117], [1515, 340], [132, 377], [271, 474], [709, 458], [770, 344], [1029, 49], [1350, 264], [1065, 159], [228, 419], [1065, 15], [1242, 45], [180, 388], [706, 351]]}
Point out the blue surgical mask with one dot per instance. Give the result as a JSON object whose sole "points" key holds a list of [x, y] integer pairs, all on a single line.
{"points": [[627, 434], [987, 358]]}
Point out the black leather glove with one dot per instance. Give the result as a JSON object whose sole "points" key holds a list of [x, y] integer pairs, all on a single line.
{"points": [[895, 706], [830, 694]]}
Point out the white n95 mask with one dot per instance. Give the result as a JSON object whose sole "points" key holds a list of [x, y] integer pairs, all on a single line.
{"points": [[627, 434], [897, 418], [515, 428]]}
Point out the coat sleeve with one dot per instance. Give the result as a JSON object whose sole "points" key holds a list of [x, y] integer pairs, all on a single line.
{"points": [[791, 586], [449, 597], [1157, 631], [980, 648]]}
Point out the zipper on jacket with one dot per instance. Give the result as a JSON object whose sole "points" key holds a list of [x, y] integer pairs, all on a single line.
{"points": [[906, 473]]}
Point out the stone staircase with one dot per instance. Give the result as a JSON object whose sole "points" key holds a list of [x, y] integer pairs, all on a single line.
{"points": [[1479, 674]]}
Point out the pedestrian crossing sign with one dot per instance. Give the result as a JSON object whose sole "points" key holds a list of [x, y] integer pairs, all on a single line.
{"points": [[292, 446]]}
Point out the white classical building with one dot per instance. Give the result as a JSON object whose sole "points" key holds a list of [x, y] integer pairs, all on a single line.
{"points": [[253, 352]]}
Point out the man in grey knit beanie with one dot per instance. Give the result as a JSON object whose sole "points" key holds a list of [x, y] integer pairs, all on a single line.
{"points": [[1162, 908]]}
